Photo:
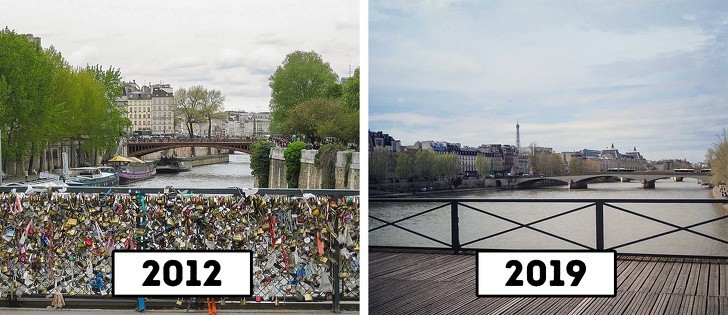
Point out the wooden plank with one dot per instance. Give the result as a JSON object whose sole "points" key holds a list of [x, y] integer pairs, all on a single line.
{"points": [[723, 285], [700, 304], [713, 305], [671, 279], [703, 283], [714, 280], [413, 283], [660, 305], [682, 279], [686, 306], [673, 304], [692, 285]]}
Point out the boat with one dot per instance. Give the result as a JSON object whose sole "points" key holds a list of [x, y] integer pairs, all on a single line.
{"points": [[131, 169], [90, 176], [172, 165]]}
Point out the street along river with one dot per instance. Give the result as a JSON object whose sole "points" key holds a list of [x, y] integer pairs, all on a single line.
{"points": [[579, 226]]}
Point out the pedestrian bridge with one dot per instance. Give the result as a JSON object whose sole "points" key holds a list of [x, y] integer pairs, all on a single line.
{"points": [[647, 179]]}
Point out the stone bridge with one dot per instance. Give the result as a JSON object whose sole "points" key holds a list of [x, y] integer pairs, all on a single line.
{"points": [[138, 148], [647, 179]]}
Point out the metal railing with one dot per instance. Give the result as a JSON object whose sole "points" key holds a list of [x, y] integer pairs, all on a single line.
{"points": [[598, 205]]}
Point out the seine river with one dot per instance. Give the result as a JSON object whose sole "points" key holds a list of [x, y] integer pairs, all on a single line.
{"points": [[620, 227], [236, 173]]}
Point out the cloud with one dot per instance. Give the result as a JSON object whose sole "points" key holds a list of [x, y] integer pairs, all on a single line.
{"points": [[88, 54], [229, 58]]}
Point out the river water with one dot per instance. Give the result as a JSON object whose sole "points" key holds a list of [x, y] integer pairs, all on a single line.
{"points": [[236, 173], [579, 226]]}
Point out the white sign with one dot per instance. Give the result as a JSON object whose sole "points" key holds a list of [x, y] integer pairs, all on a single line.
{"points": [[546, 273], [182, 273]]}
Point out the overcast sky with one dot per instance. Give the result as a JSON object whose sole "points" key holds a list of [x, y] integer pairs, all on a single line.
{"points": [[575, 74], [232, 46]]}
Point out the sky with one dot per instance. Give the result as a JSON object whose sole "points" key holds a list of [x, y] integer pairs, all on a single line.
{"points": [[574, 74], [231, 46]]}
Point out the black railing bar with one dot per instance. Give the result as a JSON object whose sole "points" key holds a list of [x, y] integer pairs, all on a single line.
{"points": [[528, 224], [528, 227], [414, 215], [553, 200], [686, 228], [474, 250], [411, 231], [512, 229], [204, 191]]}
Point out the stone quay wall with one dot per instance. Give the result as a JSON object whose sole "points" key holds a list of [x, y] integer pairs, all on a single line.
{"points": [[311, 177]]}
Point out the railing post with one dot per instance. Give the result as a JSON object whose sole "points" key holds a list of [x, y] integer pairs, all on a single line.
{"points": [[455, 226], [600, 225]]}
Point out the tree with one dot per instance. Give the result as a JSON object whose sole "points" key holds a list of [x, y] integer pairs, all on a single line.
{"points": [[378, 165], [484, 165], [26, 75], [446, 165], [321, 118], [292, 155], [545, 163], [405, 167], [301, 77], [425, 164], [189, 104], [212, 108], [350, 94], [260, 161], [717, 158]]}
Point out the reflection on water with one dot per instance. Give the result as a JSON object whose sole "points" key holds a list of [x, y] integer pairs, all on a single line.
{"points": [[578, 226], [236, 173]]}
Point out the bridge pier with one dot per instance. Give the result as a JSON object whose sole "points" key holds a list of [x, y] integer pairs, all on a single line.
{"points": [[648, 184], [577, 185]]}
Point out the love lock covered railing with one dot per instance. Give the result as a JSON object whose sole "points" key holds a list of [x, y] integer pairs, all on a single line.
{"points": [[305, 244], [450, 210]]}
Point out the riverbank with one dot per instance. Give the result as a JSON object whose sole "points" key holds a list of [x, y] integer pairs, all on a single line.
{"points": [[207, 159]]}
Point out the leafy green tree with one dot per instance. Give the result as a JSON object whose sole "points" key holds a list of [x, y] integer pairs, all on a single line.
{"points": [[260, 161], [405, 167], [484, 165], [446, 165], [378, 165], [350, 93], [26, 76], [301, 77], [321, 118], [212, 108], [189, 104], [717, 158], [425, 164], [292, 155]]}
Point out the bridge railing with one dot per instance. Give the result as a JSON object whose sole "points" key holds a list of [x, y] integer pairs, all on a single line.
{"points": [[305, 242], [451, 210]]}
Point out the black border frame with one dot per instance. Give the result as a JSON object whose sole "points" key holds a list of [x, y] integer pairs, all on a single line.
{"points": [[113, 272], [477, 258]]}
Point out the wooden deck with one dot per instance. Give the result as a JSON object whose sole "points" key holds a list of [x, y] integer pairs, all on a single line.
{"points": [[422, 283]]}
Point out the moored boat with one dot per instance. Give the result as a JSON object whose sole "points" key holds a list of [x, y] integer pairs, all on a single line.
{"points": [[131, 169], [90, 176], [172, 165]]}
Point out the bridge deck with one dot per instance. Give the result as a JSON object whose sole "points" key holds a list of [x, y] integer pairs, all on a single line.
{"points": [[404, 283]]}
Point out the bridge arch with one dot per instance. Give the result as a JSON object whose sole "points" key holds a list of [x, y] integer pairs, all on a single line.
{"points": [[138, 149]]}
